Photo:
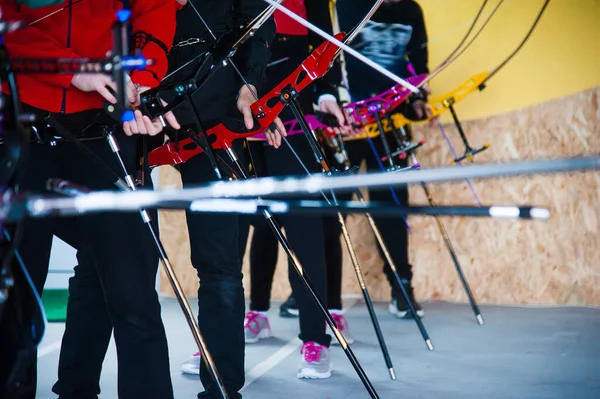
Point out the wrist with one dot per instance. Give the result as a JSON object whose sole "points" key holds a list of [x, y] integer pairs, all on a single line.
{"points": [[249, 88]]}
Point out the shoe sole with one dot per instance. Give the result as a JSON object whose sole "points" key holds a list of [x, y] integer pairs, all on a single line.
{"points": [[263, 334], [190, 371], [406, 314], [289, 313], [310, 374]]}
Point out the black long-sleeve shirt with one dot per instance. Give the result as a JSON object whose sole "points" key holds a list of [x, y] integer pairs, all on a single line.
{"points": [[396, 30], [292, 46], [222, 16], [318, 14]]}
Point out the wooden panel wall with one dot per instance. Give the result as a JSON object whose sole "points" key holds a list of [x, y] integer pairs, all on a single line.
{"points": [[506, 262]]}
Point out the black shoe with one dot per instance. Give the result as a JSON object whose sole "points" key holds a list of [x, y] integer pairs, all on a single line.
{"points": [[289, 308], [399, 307]]}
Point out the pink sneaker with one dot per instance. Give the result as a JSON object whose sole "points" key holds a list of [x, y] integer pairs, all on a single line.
{"points": [[342, 324], [256, 327], [316, 361]]}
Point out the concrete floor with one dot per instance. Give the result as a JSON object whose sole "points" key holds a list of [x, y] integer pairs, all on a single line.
{"points": [[521, 352]]}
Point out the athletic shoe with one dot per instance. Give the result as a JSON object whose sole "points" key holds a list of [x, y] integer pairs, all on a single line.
{"points": [[256, 327], [342, 324], [399, 307], [192, 365], [316, 361], [289, 308]]}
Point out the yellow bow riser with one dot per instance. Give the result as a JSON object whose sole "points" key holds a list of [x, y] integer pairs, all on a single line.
{"points": [[441, 103]]}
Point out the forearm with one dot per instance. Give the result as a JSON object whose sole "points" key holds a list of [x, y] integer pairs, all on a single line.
{"points": [[254, 55], [319, 15], [153, 28]]}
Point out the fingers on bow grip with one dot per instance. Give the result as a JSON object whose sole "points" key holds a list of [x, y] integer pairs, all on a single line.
{"points": [[118, 111]]}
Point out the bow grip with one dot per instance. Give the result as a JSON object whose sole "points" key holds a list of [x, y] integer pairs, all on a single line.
{"points": [[315, 66]]}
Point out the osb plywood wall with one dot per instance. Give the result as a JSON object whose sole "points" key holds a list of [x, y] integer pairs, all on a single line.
{"points": [[506, 262]]}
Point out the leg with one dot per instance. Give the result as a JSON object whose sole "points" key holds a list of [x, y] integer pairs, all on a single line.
{"points": [[305, 235], [18, 367], [333, 252], [88, 325], [244, 223], [125, 266], [263, 261], [395, 235], [221, 293]]}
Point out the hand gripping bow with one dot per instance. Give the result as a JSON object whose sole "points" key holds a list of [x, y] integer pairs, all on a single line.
{"points": [[264, 110]]}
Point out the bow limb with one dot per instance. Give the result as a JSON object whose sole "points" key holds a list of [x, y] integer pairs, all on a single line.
{"points": [[477, 82], [264, 110], [441, 103], [363, 112]]}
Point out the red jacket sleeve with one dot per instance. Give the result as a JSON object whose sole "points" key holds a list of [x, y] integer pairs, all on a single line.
{"points": [[153, 29], [32, 42]]}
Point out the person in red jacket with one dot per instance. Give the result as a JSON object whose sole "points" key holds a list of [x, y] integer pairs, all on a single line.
{"points": [[120, 267]]}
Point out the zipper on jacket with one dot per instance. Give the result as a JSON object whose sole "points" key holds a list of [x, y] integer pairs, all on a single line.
{"points": [[63, 107]]}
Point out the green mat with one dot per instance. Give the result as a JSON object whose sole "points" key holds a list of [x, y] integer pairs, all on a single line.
{"points": [[55, 304]]}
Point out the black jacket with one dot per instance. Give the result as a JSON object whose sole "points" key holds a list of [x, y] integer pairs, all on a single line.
{"points": [[319, 15], [216, 99], [222, 16]]}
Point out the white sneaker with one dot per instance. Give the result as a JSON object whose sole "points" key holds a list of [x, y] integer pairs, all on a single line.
{"points": [[316, 361], [192, 365], [342, 324], [256, 327]]}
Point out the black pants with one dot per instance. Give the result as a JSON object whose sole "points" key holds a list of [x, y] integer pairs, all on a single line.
{"points": [[264, 248], [220, 297], [213, 241], [393, 229], [304, 233], [114, 286]]}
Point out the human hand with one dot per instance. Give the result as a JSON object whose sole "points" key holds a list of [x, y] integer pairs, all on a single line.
{"points": [[143, 125], [182, 2], [100, 83], [245, 99], [330, 106], [272, 133], [420, 106]]}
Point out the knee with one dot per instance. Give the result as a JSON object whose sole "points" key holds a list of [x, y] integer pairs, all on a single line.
{"points": [[227, 290], [136, 308]]}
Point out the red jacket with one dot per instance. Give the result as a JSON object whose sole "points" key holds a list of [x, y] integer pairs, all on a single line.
{"points": [[83, 30], [288, 26]]}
